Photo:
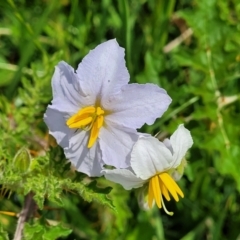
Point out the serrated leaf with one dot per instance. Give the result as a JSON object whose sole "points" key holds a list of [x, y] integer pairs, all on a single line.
{"points": [[55, 232], [43, 231], [34, 231], [94, 187], [44, 187], [93, 193], [51, 187]]}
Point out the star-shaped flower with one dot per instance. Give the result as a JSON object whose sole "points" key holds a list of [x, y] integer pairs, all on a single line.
{"points": [[155, 164], [95, 112]]}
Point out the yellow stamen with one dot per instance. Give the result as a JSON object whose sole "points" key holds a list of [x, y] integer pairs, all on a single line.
{"points": [[99, 111], [164, 191], [99, 121], [161, 185], [156, 190], [88, 118], [93, 135], [81, 114], [171, 186], [81, 123]]}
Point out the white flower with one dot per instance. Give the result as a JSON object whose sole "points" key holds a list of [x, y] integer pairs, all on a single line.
{"points": [[154, 163], [95, 112]]}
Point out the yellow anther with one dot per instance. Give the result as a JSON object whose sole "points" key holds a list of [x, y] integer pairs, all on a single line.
{"points": [[81, 115], [171, 186], [88, 118], [81, 123], [161, 185], [100, 121], [164, 191], [90, 110], [99, 111], [93, 134]]}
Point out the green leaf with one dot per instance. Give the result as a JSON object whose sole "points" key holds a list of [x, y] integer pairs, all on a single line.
{"points": [[55, 232], [92, 192], [3, 234], [38, 231]]}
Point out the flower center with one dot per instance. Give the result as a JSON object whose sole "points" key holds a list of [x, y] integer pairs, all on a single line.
{"points": [[88, 118], [162, 184]]}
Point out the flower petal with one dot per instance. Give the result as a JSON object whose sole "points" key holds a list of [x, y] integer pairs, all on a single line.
{"points": [[56, 122], [74, 143], [116, 144], [149, 157], [137, 104], [86, 160], [168, 144], [124, 177], [103, 72], [181, 141], [66, 89]]}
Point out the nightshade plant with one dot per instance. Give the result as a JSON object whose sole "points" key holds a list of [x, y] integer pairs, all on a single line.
{"points": [[95, 112]]}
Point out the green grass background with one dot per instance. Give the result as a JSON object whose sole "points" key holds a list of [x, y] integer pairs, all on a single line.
{"points": [[190, 48]]}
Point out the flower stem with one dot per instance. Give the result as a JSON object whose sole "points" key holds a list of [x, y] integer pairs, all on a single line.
{"points": [[29, 208]]}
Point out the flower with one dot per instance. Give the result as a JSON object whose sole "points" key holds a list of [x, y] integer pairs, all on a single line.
{"points": [[155, 163], [94, 113]]}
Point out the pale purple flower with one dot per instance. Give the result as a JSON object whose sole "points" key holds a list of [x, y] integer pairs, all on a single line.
{"points": [[95, 112], [155, 166]]}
